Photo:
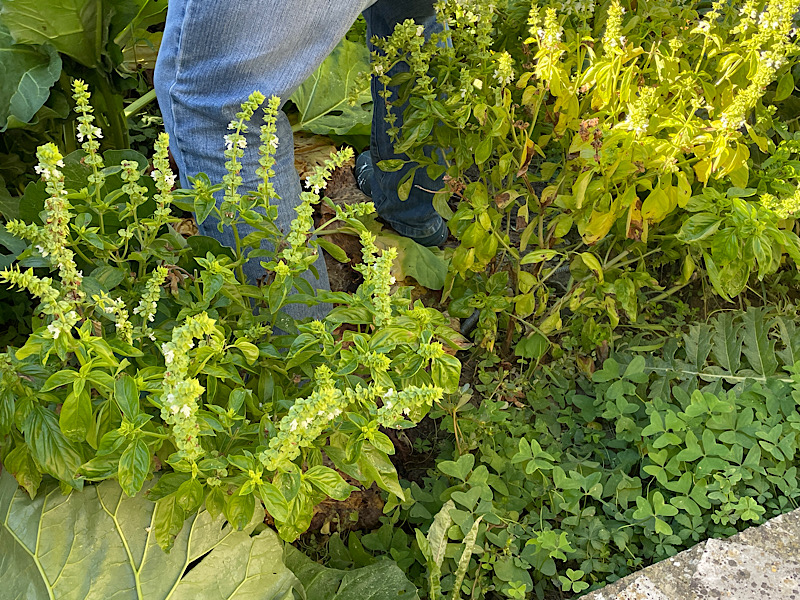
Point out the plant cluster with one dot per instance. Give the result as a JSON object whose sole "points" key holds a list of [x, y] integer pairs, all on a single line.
{"points": [[638, 148], [151, 352]]}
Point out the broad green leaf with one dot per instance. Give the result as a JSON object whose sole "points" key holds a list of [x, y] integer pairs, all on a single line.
{"points": [[458, 469], [698, 227], [534, 346], [127, 396], [248, 349], [329, 482], [26, 75], [76, 416], [274, 501], [59, 378], [382, 580], [413, 260], [324, 98], [54, 453], [376, 466], [203, 205], [445, 372], [21, 465], [785, 87], [134, 464], [335, 251], [70, 26], [99, 544], [239, 509]]}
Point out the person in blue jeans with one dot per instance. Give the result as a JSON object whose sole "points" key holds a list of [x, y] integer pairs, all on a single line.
{"points": [[214, 53]]}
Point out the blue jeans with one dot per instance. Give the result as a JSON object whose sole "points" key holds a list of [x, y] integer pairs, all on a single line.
{"points": [[214, 53]]}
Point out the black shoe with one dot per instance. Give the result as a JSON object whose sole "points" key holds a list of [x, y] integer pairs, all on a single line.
{"points": [[435, 239], [363, 173], [364, 170]]}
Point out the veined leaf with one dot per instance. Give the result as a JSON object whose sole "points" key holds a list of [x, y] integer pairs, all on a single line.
{"points": [[99, 544], [727, 343], [70, 26], [790, 337], [324, 98], [437, 546], [26, 74], [466, 556], [698, 345], [758, 348], [419, 262], [382, 580]]}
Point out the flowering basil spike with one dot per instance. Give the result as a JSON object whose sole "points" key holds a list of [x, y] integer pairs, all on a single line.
{"points": [[52, 242], [180, 393], [305, 422]]}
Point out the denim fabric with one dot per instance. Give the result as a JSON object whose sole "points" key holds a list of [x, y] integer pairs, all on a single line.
{"points": [[414, 217], [214, 53]]}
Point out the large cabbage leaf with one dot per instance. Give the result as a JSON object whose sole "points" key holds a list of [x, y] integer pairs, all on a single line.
{"points": [[382, 580], [26, 74], [99, 544], [70, 26], [324, 98]]}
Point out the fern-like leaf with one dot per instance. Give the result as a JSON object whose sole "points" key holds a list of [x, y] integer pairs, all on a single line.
{"points": [[790, 338], [758, 348], [727, 343]]}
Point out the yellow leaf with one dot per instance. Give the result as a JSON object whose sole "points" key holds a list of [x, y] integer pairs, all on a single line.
{"points": [[550, 324], [659, 203], [703, 169], [591, 261], [579, 189], [600, 221], [684, 189]]}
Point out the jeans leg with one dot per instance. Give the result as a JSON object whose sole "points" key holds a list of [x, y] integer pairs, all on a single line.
{"points": [[414, 217], [214, 54]]}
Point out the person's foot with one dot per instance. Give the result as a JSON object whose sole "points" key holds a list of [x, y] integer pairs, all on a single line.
{"points": [[364, 171], [435, 239]]}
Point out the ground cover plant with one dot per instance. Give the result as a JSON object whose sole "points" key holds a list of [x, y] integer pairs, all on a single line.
{"points": [[621, 189], [584, 478]]}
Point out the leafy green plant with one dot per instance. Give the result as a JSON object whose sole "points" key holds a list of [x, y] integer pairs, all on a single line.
{"points": [[156, 359], [114, 553], [579, 481], [733, 237]]}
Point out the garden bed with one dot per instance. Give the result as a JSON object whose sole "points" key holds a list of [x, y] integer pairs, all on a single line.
{"points": [[599, 369]]}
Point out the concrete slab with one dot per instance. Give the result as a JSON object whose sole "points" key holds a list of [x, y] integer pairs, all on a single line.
{"points": [[760, 563]]}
